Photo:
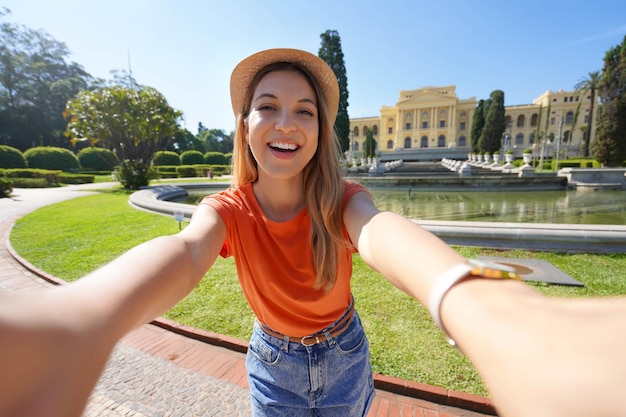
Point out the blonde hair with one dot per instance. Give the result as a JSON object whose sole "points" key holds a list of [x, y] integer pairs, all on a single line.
{"points": [[323, 182]]}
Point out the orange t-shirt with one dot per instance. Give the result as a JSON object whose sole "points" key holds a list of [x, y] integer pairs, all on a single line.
{"points": [[275, 265]]}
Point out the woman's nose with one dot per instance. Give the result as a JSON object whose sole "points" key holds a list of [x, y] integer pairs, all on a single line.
{"points": [[285, 122]]}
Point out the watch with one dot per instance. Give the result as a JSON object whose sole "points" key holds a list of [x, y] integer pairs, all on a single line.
{"points": [[472, 268]]}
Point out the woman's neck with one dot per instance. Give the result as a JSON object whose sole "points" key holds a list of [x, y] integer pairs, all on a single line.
{"points": [[280, 200]]}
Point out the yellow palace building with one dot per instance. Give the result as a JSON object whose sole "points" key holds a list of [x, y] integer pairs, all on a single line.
{"points": [[431, 123]]}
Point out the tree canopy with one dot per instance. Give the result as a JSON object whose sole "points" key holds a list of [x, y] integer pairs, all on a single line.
{"points": [[589, 85], [330, 51], [609, 146], [36, 80], [133, 123], [491, 136]]}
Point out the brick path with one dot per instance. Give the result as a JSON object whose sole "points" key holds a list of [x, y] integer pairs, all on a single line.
{"points": [[164, 369]]}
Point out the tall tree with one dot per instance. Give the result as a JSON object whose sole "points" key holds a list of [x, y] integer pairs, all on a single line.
{"points": [[609, 146], [478, 122], [133, 123], [491, 136], [330, 51], [589, 85], [369, 145], [36, 80]]}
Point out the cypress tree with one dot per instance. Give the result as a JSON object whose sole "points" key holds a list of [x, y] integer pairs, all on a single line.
{"points": [[609, 146], [478, 122], [330, 52], [495, 125]]}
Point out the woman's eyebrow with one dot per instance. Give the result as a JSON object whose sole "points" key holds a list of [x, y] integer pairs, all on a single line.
{"points": [[272, 96]]}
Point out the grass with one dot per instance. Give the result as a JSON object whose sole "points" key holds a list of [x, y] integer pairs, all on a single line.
{"points": [[71, 238]]}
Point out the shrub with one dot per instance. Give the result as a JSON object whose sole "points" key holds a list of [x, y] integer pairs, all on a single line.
{"points": [[98, 159], [133, 174], [185, 171], [11, 157], [47, 176], [165, 158], [50, 157], [215, 158], [66, 178], [191, 158], [6, 186]]}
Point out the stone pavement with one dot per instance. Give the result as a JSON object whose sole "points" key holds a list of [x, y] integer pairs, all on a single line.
{"points": [[164, 369]]}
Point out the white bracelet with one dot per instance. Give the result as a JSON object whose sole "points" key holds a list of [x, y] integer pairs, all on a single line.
{"points": [[441, 288]]}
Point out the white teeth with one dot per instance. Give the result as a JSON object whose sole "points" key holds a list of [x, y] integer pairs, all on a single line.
{"points": [[286, 146]]}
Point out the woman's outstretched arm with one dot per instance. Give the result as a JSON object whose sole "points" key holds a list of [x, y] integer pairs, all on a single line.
{"points": [[538, 356], [55, 342]]}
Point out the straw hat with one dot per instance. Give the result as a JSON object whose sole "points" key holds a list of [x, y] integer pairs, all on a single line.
{"points": [[245, 71]]}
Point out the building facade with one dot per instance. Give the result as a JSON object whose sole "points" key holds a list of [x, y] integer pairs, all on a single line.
{"points": [[432, 118]]}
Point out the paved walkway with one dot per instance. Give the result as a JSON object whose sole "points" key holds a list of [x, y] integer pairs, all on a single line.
{"points": [[164, 369]]}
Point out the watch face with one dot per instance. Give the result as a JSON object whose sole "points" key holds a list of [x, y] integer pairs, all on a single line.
{"points": [[490, 265], [493, 270]]}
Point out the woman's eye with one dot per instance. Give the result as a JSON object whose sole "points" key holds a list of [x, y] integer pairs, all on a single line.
{"points": [[265, 107], [307, 112]]}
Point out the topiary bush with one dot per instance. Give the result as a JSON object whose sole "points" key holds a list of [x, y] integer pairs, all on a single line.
{"points": [[165, 158], [98, 159], [215, 158], [6, 186], [50, 157], [11, 157], [191, 158]]}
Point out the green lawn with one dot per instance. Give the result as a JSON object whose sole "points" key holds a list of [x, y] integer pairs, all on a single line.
{"points": [[71, 238]]}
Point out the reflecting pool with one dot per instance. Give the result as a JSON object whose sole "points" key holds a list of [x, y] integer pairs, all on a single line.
{"points": [[564, 207]]}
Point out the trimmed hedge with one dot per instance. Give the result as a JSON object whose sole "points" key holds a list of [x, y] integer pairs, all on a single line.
{"points": [[11, 157], [51, 157], [165, 158], [215, 158], [49, 177], [191, 158], [98, 159], [67, 178]]}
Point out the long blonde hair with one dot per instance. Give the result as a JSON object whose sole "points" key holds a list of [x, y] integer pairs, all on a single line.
{"points": [[323, 182]]}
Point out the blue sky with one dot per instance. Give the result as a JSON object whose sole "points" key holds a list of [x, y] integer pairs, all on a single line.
{"points": [[186, 49]]}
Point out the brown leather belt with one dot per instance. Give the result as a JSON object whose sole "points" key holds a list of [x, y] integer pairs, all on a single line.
{"points": [[338, 328]]}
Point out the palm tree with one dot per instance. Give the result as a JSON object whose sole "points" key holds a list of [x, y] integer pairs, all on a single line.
{"points": [[589, 84]]}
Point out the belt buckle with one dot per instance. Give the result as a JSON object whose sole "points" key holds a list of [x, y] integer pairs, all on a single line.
{"points": [[302, 341]]}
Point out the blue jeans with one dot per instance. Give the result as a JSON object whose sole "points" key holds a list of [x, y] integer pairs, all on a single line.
{"points": [[331, 378]]}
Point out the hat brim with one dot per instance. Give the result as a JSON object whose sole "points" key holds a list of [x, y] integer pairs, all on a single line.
{"points": [[246, 70]]}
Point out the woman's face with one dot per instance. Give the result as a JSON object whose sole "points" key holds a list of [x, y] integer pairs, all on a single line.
{"points": [[282, 125]]}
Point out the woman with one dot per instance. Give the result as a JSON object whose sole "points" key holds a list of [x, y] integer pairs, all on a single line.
{"points": [[292, 225]]}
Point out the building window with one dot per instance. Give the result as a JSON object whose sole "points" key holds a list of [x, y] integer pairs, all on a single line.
{"points": [[441, 141], [389, 144], [355, 131], [407, 142], [355, 146], [442, 123], [463, 114], [586, 118], [462, 126], [519, 139], [566, 136], [390, 130], [442, 113], [424, 143], [520, 120], [375, 130], [462, 141], [552, 120], [407, 116], [569, 118], [425, 114], [424, 125], [407, 126], [531, 138], [534, 119]]}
